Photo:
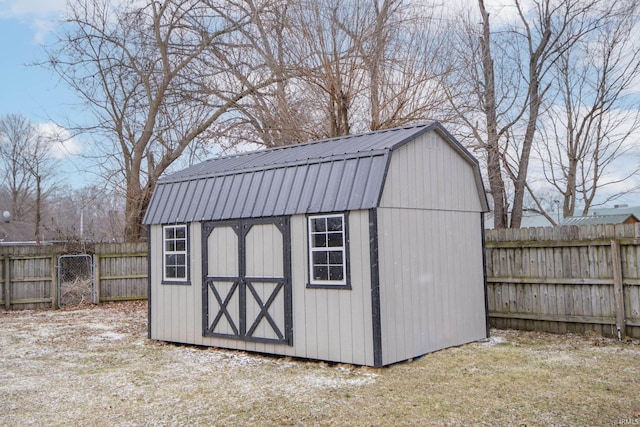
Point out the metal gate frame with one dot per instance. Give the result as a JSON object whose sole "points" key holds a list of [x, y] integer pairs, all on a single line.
{"points": [[91, 278]]}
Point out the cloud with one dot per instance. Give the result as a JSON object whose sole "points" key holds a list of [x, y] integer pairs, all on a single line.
{"points": [[63, 143], [40, 15], [30, 8]]}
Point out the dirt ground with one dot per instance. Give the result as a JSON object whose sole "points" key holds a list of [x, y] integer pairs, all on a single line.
{"points": [[94, 366]]}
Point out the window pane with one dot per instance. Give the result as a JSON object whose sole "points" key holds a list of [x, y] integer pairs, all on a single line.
{"points": [[335, 258], [170, 272], [180, 272], [334, 223], [181, 259], [320, 257], [319, 240], [320, 273], [170, 259], [181, 232], [181, 245], [318, 224], [169, 233], [170, 245], [335, 240], [336, 273]]}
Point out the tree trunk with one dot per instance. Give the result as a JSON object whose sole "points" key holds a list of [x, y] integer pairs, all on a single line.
{"points": [[494, 170]]}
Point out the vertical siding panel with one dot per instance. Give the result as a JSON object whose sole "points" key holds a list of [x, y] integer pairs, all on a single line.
{"points": [[334, 325], [399, 281], [193, 308], [360, 296], [426, 281], [413, 339], [438, 285], [322, 323], [298, 281], [157, 298], [387, 286]]}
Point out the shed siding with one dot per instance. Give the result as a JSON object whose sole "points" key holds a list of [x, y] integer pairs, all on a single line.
{"points": [[430, 251], [328, 324], [431, 281], [430, 174]]}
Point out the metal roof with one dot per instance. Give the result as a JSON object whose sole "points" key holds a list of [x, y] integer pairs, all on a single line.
{"points": [[337, 174], [599, 219]]}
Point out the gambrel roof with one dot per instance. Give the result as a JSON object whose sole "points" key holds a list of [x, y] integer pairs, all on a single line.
{"points": [[332, 175]]}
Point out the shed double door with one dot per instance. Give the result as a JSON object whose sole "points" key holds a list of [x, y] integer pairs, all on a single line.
{"points": [[247, 280]]}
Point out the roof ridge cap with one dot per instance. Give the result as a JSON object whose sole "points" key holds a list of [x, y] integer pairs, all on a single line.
{"points": [[319, 141], [282, 165]]}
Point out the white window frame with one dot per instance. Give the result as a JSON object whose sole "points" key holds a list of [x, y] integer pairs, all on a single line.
{"points": [[312, 250], [166, 253]]}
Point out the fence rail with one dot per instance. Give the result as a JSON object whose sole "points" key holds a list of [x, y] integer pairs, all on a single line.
{"points": [[28, 274], [565, 279]]}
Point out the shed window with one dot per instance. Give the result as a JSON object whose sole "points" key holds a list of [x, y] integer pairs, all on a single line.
{"points": [[175, 253], [327, 250]]}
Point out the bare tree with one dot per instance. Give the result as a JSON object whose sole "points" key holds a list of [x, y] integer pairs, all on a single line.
{"points": [[397, 48], [27, 167], [39, 163], [590, 131], [499, 93], [93, 214], [16, 136], [283, 113], [156, 78], [328, 63], [364, 64]]}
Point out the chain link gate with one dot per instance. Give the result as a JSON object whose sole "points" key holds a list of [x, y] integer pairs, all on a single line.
{"points": [[75, 280]]}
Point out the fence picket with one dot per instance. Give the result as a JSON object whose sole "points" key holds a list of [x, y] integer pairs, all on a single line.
{"points": [[566, 279], [29, 275]]}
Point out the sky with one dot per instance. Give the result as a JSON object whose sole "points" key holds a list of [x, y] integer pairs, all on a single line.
{"points": [[33, 91], [36, 93]]}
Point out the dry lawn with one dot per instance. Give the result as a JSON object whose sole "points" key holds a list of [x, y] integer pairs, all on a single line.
{"points": [[94, 366]]}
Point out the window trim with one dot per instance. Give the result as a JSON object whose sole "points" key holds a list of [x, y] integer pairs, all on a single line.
{"points": [[328, 284], [181, 280]]}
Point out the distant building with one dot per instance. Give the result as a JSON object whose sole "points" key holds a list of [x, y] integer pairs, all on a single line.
{"points": [[624, 218], [12, 232], [618, 209], [529, 219], [619, 214], [15, 231]]}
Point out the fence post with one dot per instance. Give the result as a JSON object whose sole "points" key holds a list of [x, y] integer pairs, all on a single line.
{"points": [[7, 282], [54, 281], [618, 290], [96, 278]]}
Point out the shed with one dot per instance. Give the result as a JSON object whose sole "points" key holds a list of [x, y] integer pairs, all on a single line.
{"points": [[364, 249]]}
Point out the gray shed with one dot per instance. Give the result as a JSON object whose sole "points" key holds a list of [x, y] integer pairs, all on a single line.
{"points": [[365, 249]]}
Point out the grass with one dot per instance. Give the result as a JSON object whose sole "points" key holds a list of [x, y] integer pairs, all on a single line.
{"points": [[94, 366]]}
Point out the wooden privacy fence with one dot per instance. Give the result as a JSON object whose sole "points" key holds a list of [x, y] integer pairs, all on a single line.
{"points": [[29, 275], [565, 279], [120, 271]]}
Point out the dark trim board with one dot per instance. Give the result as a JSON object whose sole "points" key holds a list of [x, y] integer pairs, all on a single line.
{"points": [[375, 288], [149, 281], [244, 286], [484, 275]]}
